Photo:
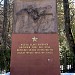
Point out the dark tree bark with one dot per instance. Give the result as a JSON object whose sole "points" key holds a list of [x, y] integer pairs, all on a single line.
{"points": [[69, 35], [68, 32], [4, 34]]}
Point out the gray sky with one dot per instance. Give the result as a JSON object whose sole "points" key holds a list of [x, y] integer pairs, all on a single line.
{"points": [[2, 1]]}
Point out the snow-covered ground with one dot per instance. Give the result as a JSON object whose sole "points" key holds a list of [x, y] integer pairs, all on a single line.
{"points": [[61, 73], [6, 73], [67, 73]]}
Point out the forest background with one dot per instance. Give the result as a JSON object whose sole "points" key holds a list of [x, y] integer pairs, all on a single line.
{"points": [[66, 31]]}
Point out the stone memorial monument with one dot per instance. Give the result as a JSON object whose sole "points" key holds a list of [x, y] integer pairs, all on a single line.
{"points": [[35, 49]]}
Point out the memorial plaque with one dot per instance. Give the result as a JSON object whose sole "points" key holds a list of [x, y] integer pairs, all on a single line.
{"points": [[35, 48], [35, 54]]}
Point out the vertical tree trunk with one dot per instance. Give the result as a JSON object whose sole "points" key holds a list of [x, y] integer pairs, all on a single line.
{"points": [[4, 33], [5, 24], [68, 26]]}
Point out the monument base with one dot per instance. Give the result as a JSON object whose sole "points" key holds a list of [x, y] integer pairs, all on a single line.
{"points": [[35, 54]]}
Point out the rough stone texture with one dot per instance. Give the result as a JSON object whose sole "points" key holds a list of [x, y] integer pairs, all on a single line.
{"points": [[35, 16]]}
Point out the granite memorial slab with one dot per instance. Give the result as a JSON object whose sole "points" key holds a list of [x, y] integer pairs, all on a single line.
{"points": [[35, 46]]}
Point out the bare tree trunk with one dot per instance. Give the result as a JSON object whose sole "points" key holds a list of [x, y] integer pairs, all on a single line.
{"points": [[68, 32], [68, 26], [4, 32], [5, 24]]}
